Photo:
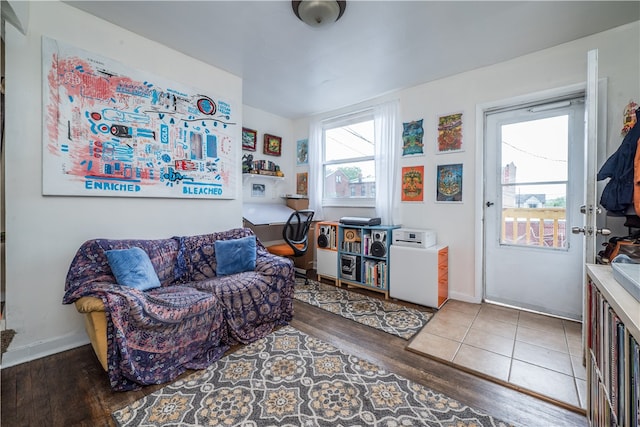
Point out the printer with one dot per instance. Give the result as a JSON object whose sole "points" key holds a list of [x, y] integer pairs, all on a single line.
{"points": [[413, 238]]}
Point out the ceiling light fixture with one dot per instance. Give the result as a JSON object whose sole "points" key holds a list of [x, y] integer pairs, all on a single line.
{"points": [[318, 13]]}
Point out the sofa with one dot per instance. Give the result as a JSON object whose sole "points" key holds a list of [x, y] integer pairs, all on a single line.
{"points": [[176, 303]]}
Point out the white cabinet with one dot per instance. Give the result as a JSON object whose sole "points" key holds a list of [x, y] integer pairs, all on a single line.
{"points": [[420, 275], [326, 250]]}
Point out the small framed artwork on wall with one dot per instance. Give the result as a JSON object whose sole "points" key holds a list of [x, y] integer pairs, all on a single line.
{"points": [[412, 184], [450, 133], [412, 133], [257, 190], [249, 138], [272, 145], [302, 152], [449, 183], [302, 183]]}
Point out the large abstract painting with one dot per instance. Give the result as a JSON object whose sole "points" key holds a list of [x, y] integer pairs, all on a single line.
{"points": [[110, 130]]}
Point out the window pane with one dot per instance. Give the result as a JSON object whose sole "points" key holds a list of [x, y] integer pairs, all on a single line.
{"points": [[352, 179], [536, 150], [534, 215], [348, 163], [349, 142]]}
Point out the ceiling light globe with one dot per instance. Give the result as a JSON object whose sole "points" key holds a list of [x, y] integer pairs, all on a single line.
{"points": [[317, 13]]}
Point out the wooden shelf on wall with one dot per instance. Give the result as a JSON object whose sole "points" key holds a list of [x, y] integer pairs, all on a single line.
{"points": [[247, 176]]}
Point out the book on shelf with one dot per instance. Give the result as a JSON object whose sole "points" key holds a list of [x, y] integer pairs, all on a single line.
{"points": [[376, 274], [620, 370], [634, 384]]}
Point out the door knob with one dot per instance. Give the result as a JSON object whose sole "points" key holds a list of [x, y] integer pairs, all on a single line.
{"points": [[602, 231], [489, 204]]}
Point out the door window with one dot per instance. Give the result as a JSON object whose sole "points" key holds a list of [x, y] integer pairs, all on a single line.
{"points": [[534, 161]]}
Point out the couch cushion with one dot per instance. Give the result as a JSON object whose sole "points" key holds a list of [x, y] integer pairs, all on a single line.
{"points": [[236, 255], [199, 252], [132, 267], [156, 335]]}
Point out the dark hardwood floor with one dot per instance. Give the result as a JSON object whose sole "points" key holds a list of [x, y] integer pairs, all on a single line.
{"points": [[71, 388]]}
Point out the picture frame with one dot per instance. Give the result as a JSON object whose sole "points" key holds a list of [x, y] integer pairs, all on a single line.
{"points": [[449, 133], [412, 184], [249, 139], [412, 134], [272, 145], [258, 190], [449, 183], [302, 183], [302, 152], [176, 152]]}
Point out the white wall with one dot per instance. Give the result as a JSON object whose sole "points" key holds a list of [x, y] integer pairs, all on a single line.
{"points": [[564, 65], [263, 122], [43, 233]]}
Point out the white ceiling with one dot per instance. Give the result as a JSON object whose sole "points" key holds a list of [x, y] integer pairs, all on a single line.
{"points": [[293, 70]]}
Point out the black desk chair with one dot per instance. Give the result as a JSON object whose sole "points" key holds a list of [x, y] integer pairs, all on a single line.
{"points": [[296, 237]]}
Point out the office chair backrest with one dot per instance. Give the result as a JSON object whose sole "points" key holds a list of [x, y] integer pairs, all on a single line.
{"points": [[296, 231]]}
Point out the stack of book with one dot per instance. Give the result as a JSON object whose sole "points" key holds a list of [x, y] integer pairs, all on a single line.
{"points": [[616, 399]]}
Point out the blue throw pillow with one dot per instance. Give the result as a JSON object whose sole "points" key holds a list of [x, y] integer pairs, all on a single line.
{"points": [[235, 255], [132, 267]]}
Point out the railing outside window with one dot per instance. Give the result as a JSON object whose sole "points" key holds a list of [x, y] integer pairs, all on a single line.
{"points": [[544, 227]]}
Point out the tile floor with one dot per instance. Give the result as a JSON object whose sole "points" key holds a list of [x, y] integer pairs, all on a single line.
{"points": [[530, 351]]}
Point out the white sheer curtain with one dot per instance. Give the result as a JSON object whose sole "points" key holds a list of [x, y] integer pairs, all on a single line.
{"points": [[316, 176], [388, 134]]}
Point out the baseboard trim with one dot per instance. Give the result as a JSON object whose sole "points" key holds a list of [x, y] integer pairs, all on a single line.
{"points": [[19, 355], [464, 297]]}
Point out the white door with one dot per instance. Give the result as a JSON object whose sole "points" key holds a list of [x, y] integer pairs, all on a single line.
{"points": [[596, 93], [534, 187]]}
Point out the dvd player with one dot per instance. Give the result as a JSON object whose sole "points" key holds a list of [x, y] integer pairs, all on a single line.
{"points": [[356, 220]]}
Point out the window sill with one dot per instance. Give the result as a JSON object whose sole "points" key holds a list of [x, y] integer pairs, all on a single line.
{"points": [[349, 203]]}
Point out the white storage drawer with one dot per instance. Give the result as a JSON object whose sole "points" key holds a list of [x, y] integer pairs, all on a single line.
{"points": [[420, 275]]}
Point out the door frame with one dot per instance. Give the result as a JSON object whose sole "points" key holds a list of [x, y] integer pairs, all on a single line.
{"points": [[578, 89]]}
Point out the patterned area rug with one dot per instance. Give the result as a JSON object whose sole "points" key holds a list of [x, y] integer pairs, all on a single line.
{"points": [[292, 379], [389, 317]]}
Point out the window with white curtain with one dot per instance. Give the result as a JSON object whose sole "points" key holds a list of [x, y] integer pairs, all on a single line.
{"points": [[348, 160], [354, 161]]}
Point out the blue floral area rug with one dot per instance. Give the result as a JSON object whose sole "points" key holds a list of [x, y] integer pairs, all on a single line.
{"points": [[292, 379], [389, 317]]}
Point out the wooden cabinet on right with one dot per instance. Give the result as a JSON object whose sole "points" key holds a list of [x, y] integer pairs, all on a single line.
{"points": [[611, 340]]}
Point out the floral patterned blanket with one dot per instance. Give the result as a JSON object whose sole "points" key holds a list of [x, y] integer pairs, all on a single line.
{"points": [[190, 321]]}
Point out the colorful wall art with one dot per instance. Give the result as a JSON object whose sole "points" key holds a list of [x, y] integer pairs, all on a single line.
{"points": [[450, 133], [412, 184], [110, 130], [272, 145], [302, 183], [412, 134], [249, 139], [302, 152], [449, 183]]}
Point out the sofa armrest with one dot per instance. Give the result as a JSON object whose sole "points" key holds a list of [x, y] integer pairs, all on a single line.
{"points": [[270, 264], [89, 304]]}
